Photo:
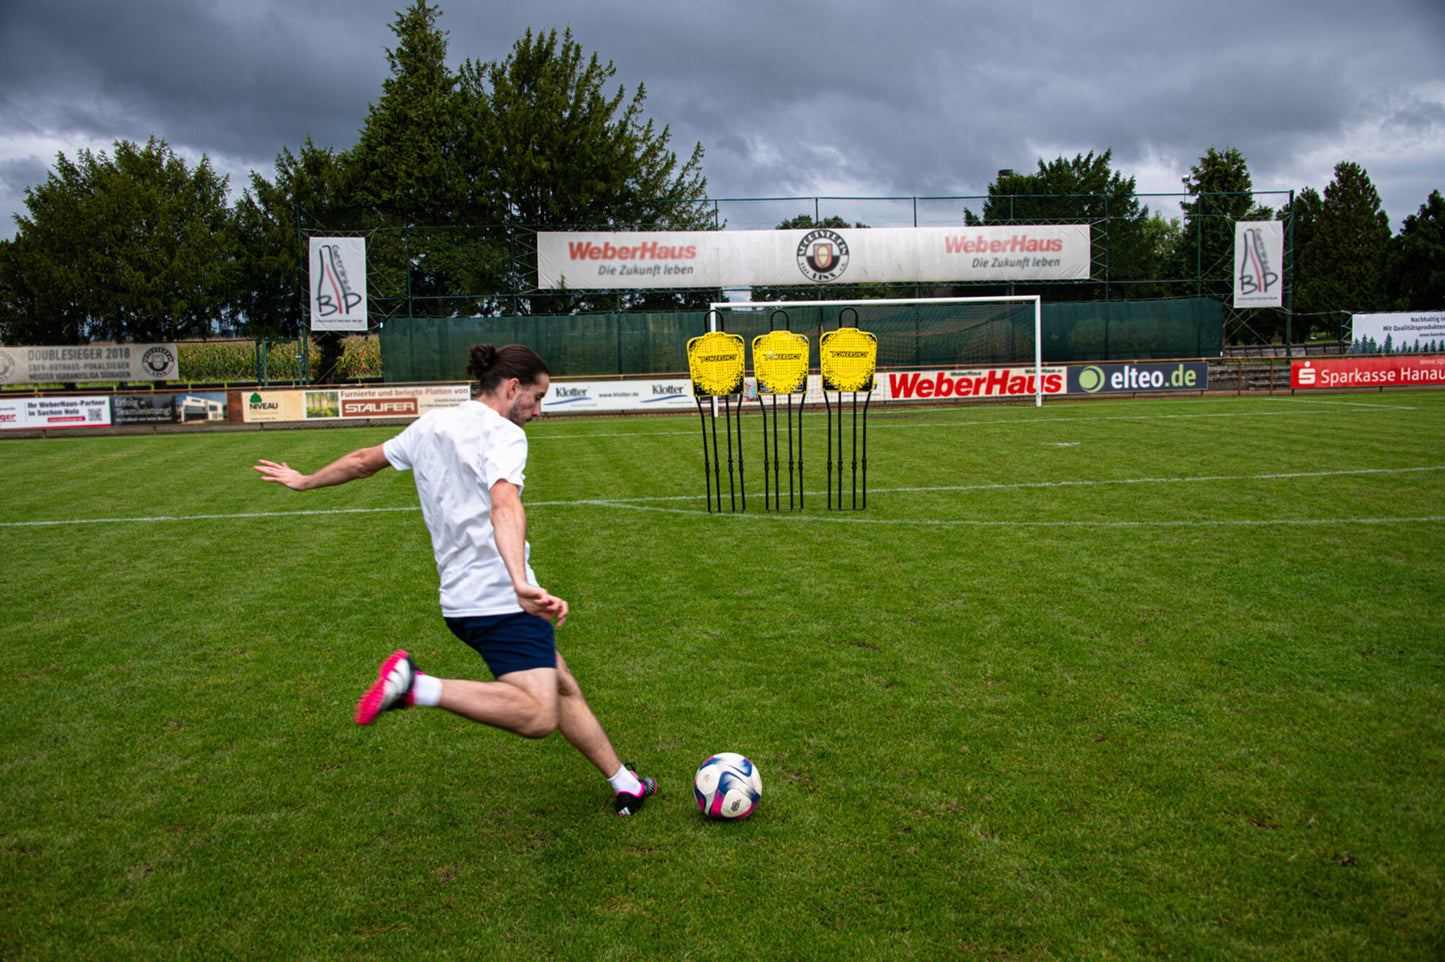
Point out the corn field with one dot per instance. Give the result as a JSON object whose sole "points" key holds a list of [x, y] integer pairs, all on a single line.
{"points": [[210, 362]]}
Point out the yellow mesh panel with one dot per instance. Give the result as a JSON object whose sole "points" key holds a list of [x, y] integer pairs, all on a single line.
{"points": [[780, 361], [848, 358], [715, 361]]}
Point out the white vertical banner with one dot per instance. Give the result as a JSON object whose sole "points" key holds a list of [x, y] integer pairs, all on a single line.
{"points": [[338, 283], [1258, 263]]}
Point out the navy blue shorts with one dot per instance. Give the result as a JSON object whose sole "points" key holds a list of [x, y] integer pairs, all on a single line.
{"points": [[508, 643]]}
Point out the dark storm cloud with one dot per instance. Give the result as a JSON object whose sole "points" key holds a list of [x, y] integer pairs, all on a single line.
{"points": [[920, 97]]}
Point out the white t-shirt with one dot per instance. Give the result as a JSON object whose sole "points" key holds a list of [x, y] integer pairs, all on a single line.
{"points": [[456, 455]]}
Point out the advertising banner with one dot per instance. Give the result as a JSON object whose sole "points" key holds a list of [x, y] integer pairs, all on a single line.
{"points": [[1116, 378], [1397, 333], [33, 413], [1258, 260], [167, 408], [574, 397], [973, 382], [635, 260], [102, 363], [337, 283], [1367, 372], [333, 404]]}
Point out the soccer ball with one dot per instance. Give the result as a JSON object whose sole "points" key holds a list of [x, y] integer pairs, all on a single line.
{"points": [[727, 785]]}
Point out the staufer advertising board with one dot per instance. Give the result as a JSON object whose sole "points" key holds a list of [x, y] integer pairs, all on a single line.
{"points": [[339, 404], [636, 260], [1368, 372]]}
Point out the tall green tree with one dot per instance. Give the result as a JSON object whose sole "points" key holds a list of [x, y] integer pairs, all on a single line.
{"points": [[408, 182], [1223, 193], [404, 165], [546, 146], [308, 189], [132, 246], [1084, 189], [1347, 247], [1416, 277], [1302, 217]]}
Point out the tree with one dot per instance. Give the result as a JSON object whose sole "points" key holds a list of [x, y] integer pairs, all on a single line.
{"points": [[1346, 247], [408, 182], [1084, 190], [404, 163], [130, 247], [1416, 276], [546, 147], [309, 188], [1223, 192], [1161, 239], [1301, 217]]}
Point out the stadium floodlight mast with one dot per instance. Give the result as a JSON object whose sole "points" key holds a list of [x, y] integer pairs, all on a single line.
{"points": [[716, 308]]}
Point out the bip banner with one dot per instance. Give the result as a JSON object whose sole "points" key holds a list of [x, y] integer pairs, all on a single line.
{"points": [[338, 284], [1258, 263]]}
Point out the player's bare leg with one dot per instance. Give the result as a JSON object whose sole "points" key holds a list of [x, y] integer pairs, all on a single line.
{"points": [[524, 702], [585, 733], [532, 703], [580, 726]]}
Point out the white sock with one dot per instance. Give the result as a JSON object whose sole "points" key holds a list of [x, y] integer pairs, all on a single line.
{"points": [[623, 781], [426, 690]]}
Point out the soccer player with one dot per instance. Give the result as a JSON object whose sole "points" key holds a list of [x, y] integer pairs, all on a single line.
{"points": [[468, 463]]}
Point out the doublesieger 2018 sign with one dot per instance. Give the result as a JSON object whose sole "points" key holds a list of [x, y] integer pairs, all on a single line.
{"points": [[88, 363]]}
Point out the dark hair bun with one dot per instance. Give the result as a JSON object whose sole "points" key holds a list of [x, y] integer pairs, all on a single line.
{"points": [[493, 365], [483, 359]]}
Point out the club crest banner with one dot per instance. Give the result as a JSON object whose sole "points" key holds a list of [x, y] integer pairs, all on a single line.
{"points": [[624, 260], [1258, 263]]}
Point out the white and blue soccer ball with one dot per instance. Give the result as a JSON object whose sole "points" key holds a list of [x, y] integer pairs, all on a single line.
{"points": [[727, 786]]}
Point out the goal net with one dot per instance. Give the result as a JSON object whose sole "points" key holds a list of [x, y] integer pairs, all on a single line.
{"points": [[931, 332]]}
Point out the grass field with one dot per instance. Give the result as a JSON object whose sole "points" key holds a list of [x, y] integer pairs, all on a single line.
{"points": [[1118, 679]]}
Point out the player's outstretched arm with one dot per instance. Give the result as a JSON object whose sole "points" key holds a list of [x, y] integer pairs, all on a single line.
{"points": [[509, 528], [362, 463]]}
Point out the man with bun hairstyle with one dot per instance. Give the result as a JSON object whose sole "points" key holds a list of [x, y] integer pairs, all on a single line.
{"points": [[468, 463]]}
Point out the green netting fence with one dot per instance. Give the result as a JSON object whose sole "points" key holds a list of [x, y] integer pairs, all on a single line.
{"points": [[606, 345]]}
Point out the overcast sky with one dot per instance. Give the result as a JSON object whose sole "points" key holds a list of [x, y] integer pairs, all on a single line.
{"points": [[835, 97]]}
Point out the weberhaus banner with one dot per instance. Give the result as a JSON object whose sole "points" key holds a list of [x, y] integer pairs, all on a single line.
{"points": [[630, 260]]}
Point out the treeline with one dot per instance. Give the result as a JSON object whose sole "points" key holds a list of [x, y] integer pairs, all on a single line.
{"points": [[453, 171], [1342, 256], [134, 245]]}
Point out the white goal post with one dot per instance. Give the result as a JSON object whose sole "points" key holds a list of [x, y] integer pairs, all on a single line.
{"points": [[716, 310]]}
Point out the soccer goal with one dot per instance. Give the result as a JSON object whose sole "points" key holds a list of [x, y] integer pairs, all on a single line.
{"points": [[940, 332]]}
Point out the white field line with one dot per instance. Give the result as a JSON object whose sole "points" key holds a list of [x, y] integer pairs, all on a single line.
{"points": [[846, 517], [200, 517], [646, 503], [1323, 408]]}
